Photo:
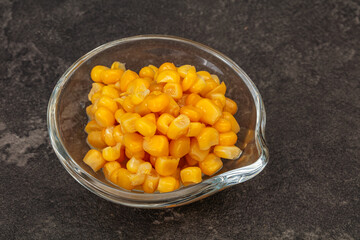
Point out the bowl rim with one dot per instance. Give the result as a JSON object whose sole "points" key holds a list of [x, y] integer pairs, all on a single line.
{"points": [[181, 196]]}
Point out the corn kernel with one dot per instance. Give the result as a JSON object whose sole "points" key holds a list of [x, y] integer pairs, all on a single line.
{"points": [[118, 114], [178, 127], [89, 112], [190, 161], [111, 153], [167, 184], [96, 87], [195, 152], [155, 69], [228, 152], [128, 122], [219, 89], [207, 138], [145, 127], [147, 72], [152, 160], [151, 182], [192, 99], [210, 112], [154, 86], [183, 70], [151, 117], [211, 164], [168, 76], [128, 105], [230, 106], [95, 97], [142, 108], [138, 154], [127, 77], [107, 135], [222, 125], [219, 99], [110, 92], [94, 159], [163, 122], [133, 142], [118, 65], [109, 168], [133, 164], [173, 89], [189, 79], [138, 85], [179, 147], [94, 138], [192, 112], [157, 145], [96, 73], [190, 175], [198, 85], [210, 85], [166, 166], [108, 103], [182, 101], [111, 76], [92, 126], [167, 66], [118, 135], [157, 103], [215, 78], [173, 108], [227, 138], [123, 178], [145, 168], [137, 179], [234, 124]]}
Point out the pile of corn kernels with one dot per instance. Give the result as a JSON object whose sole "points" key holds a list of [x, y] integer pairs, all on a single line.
{"points": [[160, 128]]}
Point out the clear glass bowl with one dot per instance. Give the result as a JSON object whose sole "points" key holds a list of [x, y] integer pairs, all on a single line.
{"points": [[66, 116]]}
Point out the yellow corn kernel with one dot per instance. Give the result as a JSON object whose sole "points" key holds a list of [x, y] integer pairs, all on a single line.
{"points": [[104, 117], [178, 127], [152, 160], [179, 147], [151, 117], [133, 164], [111, 76], [205, 74], [234, 124], [95, 97], [195, 152], [228, 152], [127, 77], [145, 127], [145, 168], [118, 65], [211, 164], [227, 138], [192, 112], [163, 122], [210, 85], [133, 142], [110, 92], [154, 86], [222, 125], [123, 178], [173, 89], [92, 126], [108, 103], [137, 179], [168, 76], [96, 87], [89, 112], [118, 114], [230, 106], [218, 98], [215, 78], [192, 99], [151, 182], [153, 68], [198, 86], [166, 166], [182, 101], [109, 168], [167, 66], [118, 135], [207, 138], [219, 89], [157, 145], [157, 103], [138, 85], [147, 72], [96, 73], [176, 174], [107, 135], [173, 108], [167, 184], [111, 153], [190, 161], [189, 79], [94, 159], [190, 175], [128, 105], [95, 139], [183, 70], [113, 175], [128, 122], [142, 108], [138, 154], [210, 112]]}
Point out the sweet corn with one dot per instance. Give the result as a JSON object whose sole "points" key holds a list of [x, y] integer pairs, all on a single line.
{"points": [[142, 108], [126, 78], [152, 160], [111, 153], [157, 145], [157, 103], [123, 178], [145, 168], [173, 108], [178, 127], [207, 138], [110, 76], [166, 166], [215, 78], [94, 159], [168, 76], [234, 124], [137, 179], [230, 106], [195, 152], [92, 126], [138, 85], [190, 175], [222, 125], [147, 72], [145, 127], [179, 147], [183, 70], [151, 117], [96, 87], [151, 182], [182, 101], [128, 122], [163, 122], [190, 161], [173, 89], [192, 99], [192, 112], [133, 164], [118, 65], [118, 134], [133, 142], [227, 138], [109, 168], [95, 97], [110, 92], [210, 112], [189, 79], [128, 105], [219, 99], [167, 66], [89, 112], [96, 73], [221, 88], [94, 138], [210, 85], [228, 152], [205, 74], [167, 184], [211, 164], [154, 86], [138, 154], [108, 103], [108, 137], [118, 114], [198, 85]]}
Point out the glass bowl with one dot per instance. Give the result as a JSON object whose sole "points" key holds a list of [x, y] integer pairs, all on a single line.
{"points": [[66, 116]]}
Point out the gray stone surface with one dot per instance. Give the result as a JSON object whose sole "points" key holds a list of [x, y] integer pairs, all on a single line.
{"points": [[302, 55]]}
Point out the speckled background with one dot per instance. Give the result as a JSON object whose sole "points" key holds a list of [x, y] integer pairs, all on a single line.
{"points": [[302, 55]]}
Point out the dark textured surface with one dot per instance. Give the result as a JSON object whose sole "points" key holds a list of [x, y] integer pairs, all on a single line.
{"points": [[304, 58]]}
